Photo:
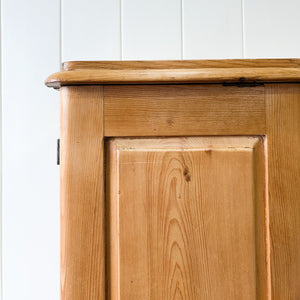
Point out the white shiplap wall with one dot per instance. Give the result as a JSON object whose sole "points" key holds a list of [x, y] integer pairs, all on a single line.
{"points": [[38, 34], [212, 29], [151, 29], [90, 29], [272, 28], [30, 116]]}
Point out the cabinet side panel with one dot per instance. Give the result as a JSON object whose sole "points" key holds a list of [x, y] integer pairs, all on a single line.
{"points": [[188, 218], [283, 134], [82, 194]]}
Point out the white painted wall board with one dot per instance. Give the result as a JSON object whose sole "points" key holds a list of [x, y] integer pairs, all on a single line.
{"points": [[151, 29], [30, 52], [91, 30], [212, 29], [272, 28]]}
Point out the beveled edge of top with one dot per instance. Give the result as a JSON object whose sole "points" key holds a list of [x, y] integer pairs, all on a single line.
{"points": [[175, 71]]}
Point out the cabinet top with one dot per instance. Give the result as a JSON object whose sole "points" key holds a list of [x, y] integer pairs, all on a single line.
{"points": [[176, 71]]}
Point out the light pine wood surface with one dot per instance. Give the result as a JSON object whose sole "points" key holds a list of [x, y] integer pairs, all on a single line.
{"points": [[184, 213], [82, 194], [172, 110], [283, 134], [155, 72], [182, 64]]}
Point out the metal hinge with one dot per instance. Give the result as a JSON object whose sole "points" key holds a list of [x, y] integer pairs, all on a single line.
{"points": [[243, 82], [58, 152]]}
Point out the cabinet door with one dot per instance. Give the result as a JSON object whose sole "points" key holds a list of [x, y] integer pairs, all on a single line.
{"points": [[187, 218]]}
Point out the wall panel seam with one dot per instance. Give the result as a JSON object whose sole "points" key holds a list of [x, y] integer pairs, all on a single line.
{"points": [[1, 155], [121, 30], [243, 27], [182, 29], [60, 33]]}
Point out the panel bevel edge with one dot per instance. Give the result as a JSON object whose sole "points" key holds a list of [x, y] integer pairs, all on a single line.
{"points": [[262, 219], [186, 143], [112, 219]]}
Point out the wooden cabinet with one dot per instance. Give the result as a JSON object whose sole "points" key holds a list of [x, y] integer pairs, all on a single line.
{"points": [[180, 180]]}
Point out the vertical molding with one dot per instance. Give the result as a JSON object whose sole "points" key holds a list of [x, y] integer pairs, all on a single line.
{"points": [[283, 136], [82, 194]]}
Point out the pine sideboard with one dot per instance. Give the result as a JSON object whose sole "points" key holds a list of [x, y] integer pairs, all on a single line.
{"points": [[180, 179]]}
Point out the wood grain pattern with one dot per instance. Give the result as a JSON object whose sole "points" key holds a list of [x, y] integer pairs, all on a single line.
{"points": [[184, 64], [263, 285], [283, 133], [186, 213], [82, 194], [185, 110], [112, 213], [211, 71]]}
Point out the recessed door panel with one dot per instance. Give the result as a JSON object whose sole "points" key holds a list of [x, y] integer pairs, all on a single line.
{"points": [[186, 218]]}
